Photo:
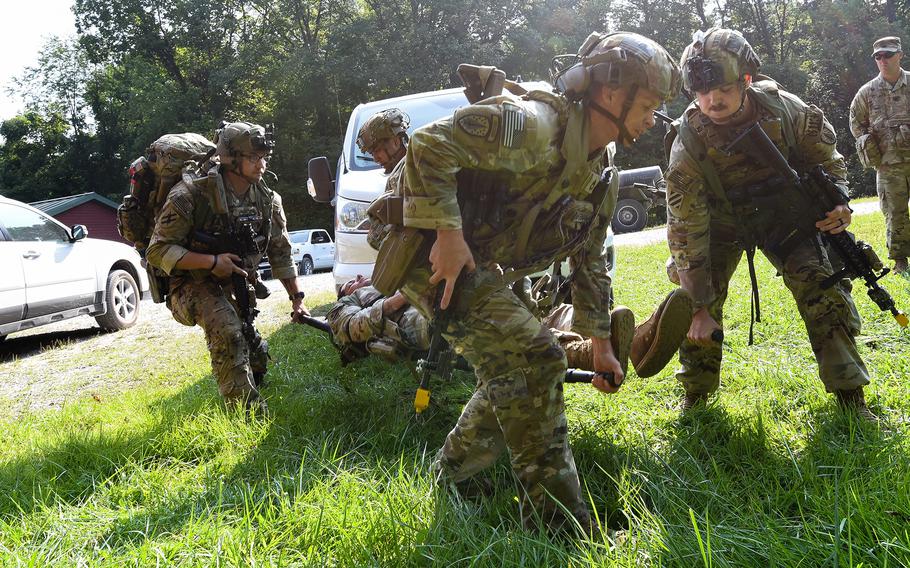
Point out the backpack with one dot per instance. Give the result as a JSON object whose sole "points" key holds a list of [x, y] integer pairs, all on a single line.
{"points": [[151, 178]]}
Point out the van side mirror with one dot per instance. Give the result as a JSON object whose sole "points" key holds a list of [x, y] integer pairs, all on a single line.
{"points": [[77, 233], [320, 185]]}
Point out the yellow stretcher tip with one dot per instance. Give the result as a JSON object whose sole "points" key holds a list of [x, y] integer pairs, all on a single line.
{"points": [[421, 400], [901, 319]]}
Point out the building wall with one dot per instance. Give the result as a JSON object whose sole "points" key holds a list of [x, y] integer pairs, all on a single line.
{"points": [[100, 220]]}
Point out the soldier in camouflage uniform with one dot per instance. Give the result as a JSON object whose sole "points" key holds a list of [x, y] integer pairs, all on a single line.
{"points": [[385, 326], [540, 155], [710, 226], [880, 121], [200, 291]]}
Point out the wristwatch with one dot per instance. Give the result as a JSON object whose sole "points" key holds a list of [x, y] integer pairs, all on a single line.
{"points": [[297, 296]]}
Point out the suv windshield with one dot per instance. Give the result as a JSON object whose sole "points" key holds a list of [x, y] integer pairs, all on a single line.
{"points": [[421, 111]]}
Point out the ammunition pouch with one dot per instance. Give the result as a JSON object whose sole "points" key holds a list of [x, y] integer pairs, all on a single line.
{"points": [[384, 213], [397, 255], [133, 222], [868, 151]]}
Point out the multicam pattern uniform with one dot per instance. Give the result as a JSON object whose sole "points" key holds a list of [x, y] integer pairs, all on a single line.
{"points": [[359, 318], [706, 245], [538, 146], [883, 111], [195, 298]]}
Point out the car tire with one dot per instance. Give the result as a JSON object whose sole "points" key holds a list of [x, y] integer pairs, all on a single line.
{"points": [[630, 215], [122, 301], [306, 266]]}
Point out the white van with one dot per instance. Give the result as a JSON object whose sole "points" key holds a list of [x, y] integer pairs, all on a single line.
{"points": [[359, 180]]}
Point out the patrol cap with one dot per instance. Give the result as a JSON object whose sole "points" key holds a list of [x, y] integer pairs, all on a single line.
{"points": [[891, 44]]}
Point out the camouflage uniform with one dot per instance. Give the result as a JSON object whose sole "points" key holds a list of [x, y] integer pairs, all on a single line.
{"points": [[706, 236], [548, 203], [194, 297], [358, 318], [882, 111]]}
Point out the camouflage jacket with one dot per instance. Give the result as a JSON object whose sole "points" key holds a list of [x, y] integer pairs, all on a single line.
{"points": [[189, 208], [883, 111], [696, 216], [536, 146], [358, 318]]}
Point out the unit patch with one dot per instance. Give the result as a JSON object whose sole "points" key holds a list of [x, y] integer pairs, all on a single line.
{"points": [[478, 125]]}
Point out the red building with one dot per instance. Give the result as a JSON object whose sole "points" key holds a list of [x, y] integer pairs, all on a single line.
{"points": [[97, 213]]}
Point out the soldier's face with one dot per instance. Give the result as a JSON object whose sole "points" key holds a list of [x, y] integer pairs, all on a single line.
{"points": [[386, 152], [719, 104], [888, 65], [252, 166], [641, 115]]}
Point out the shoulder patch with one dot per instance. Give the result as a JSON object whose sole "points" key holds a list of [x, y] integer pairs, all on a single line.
{"points": [[478, 122], [183, 204], [814, 121]]}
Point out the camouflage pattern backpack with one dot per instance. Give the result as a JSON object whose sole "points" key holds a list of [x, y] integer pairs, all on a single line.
{"points": [[151, 178]]}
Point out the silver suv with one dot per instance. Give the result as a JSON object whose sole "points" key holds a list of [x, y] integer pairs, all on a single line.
{"points": [[52, 272]]}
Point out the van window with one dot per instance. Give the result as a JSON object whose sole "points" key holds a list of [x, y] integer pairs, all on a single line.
{"points": [[421, 111]]}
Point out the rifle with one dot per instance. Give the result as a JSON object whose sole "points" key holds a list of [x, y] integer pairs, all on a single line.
{"points": [[440, 355], [818, 187]]}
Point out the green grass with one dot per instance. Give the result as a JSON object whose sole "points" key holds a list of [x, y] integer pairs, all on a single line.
{"points": [[772, 474]]}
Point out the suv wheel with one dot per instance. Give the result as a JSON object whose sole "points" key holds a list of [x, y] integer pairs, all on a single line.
{"points": [[630, 216], [306, 266], [122, 302]]}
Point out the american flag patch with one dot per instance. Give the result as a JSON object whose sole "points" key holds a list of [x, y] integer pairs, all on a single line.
{"points": [[513, 127]]}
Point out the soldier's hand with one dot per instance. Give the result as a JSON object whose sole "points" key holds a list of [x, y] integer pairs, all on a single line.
{"points": [[298, 309], [703, 326], [836, 221], [605, 362], [226, 264], [450, 253]]}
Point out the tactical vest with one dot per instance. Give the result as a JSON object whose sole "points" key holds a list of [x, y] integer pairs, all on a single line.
{"points": [[550, 219], [260, 206]]}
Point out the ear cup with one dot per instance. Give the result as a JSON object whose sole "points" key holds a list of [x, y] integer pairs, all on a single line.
{"points": [[574, 82]]}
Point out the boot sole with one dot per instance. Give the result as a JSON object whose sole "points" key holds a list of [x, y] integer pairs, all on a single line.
{"points": [[622, 330], [672, 328]]}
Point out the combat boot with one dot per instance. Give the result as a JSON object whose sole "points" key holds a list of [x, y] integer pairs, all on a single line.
{"points": [[658, 339], [580, 355], [855, 400], [262, 291], [692, 399]]}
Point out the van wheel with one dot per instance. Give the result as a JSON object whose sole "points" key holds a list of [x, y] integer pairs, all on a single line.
{"points": [[306, 266], [122, 302], [630, 216]]}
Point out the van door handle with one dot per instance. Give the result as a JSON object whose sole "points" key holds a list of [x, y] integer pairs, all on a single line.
{"points": [[31, 254]]}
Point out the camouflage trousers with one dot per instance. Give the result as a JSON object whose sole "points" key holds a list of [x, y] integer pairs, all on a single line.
{"points": [[211, 306], [518, 401], [830, 316], [893, 188]]}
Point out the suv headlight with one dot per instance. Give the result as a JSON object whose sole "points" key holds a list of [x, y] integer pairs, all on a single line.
{"points": [[351, 216]]}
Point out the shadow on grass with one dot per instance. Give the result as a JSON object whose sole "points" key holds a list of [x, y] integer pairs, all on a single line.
{"points": [[27, 345]]}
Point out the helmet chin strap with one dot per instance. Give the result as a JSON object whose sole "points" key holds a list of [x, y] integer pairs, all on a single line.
{"points": [[619, 121]]}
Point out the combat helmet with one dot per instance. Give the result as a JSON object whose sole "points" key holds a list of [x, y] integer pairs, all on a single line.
{"points": [[716, 57], [385, 124], [234, 139], [620, 59]]}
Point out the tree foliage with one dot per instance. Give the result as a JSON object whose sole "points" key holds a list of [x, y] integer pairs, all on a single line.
{"points": [[139, 69]]}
